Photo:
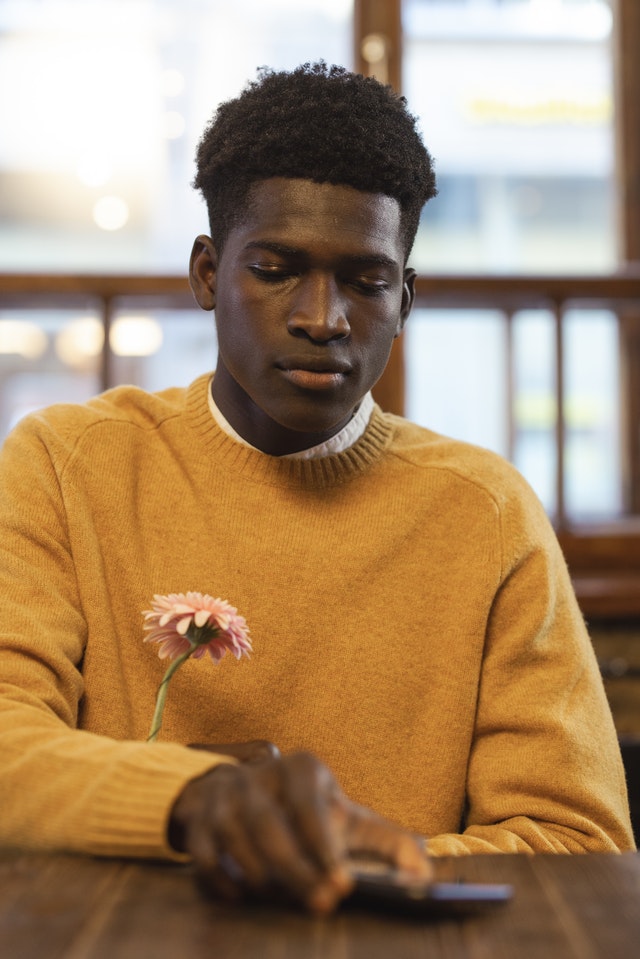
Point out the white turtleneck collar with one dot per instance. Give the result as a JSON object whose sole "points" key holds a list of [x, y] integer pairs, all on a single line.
{"points": [[347, 436]]}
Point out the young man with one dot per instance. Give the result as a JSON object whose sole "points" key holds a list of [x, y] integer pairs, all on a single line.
{"points": [[413, 623]]}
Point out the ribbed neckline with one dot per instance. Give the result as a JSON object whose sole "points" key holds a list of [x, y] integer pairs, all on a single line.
{"points": [[262, 468]]}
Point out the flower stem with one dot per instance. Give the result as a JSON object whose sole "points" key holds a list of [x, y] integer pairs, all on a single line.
{"points": [[156, 722]]}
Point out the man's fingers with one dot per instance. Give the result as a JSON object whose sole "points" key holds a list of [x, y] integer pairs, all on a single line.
{"points": [[290, 815], [240, 858], [314, 820], [221, 881], [200, 844], [369, 835], [283, 823], [265, 825], [275, 837], [315, 804]]}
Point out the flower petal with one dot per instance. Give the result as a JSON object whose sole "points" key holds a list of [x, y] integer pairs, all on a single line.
{"points": [[201, 617], [183, 624]]}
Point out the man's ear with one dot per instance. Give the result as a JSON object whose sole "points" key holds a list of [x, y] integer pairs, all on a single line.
{"points": [[203, 266], [408, 296]]}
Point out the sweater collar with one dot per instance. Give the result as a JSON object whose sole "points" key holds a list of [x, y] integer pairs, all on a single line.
{"points": [[347, 436], [327, 470]]}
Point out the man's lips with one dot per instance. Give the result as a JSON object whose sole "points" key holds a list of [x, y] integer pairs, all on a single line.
{"points": [[314, 374], [313, 379]]}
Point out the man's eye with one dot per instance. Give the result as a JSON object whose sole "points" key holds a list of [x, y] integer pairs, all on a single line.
{"points": [[370, 286], [270, 272]]}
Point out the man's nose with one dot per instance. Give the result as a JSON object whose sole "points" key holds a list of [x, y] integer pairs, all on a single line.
{"points": [[318, 309]]}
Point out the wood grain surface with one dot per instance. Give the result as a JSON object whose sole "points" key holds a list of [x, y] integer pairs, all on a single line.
{"points": [[67, 907]]}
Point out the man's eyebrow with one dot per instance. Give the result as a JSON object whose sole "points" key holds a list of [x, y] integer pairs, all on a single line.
{"points": [[272, 247], [372, 259], [357, 259]]}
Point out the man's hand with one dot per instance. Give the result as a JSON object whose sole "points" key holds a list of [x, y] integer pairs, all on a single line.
{"points": [[283, 823]]}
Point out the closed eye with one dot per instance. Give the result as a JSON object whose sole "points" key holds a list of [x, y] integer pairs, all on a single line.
{"points": [[278, 272], [369, 286], [271, 273]]}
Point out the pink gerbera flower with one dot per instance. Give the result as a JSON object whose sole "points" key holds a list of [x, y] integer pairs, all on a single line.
{"points": [[190, 624]]}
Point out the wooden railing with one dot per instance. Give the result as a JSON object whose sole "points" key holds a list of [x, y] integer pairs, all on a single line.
{"points": [[105, 294], [605, 562]]}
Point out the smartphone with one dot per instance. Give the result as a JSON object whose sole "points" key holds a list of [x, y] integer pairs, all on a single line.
{"points": [[381, 886]]}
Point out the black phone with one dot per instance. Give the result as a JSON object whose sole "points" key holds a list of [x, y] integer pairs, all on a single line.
{"points": [[383, 887]]}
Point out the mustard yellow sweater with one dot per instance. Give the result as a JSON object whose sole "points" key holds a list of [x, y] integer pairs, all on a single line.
{"points": [[412, 619]]}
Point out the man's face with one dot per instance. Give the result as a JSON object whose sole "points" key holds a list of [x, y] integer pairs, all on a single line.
{"points": [[309, 293]]}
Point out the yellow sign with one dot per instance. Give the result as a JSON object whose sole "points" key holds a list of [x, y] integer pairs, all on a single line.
{"points": [[558, 112]]}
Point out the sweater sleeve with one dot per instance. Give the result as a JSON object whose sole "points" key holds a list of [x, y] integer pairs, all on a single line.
{"points": [[545, 772], [62, 787]]}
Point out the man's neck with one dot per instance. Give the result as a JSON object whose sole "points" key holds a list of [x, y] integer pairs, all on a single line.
{"points": [[338, 443], [257, 428]]}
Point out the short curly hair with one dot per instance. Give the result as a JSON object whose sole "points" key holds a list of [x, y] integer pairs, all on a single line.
{"points": [[318, 123]]}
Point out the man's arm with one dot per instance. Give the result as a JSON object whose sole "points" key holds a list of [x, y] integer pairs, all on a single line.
{"points": [[61, 787], [544, 772]]}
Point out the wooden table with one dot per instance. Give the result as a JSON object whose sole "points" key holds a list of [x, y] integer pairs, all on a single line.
{"points": [[66, 907]]}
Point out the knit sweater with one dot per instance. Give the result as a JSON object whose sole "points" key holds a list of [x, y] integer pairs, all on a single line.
{"points": [[412, 618]]}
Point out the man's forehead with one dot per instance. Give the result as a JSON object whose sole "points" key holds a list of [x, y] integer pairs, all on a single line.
{"points": [[280, 204], [303, 190]]}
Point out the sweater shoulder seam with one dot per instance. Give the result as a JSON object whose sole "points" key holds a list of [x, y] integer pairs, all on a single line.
{"points": [[477, 484], [110, 421]]}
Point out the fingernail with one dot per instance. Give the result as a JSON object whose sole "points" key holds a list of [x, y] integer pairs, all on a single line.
{"points": [[342, 880], [322, 900], [326, 896], [420, 868], [416, 862]]}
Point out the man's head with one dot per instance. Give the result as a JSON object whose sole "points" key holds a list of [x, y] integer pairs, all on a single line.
{"points": [[316, 123]]}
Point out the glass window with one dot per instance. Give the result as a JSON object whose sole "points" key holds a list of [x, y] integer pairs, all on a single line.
{"points": [[459, 365], [159, 348], [516, 105], [107, 101], [46, 356], [535, 411], [451, 392], [593, 444]]}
